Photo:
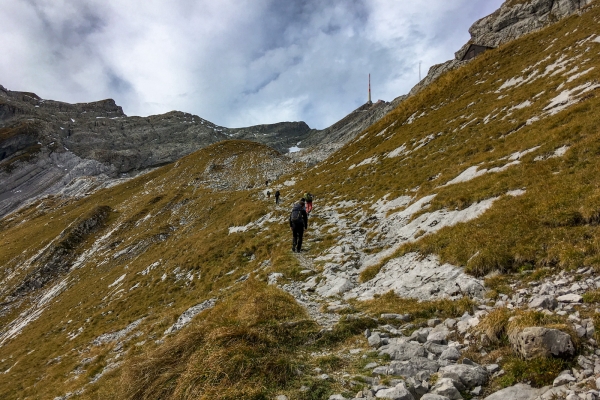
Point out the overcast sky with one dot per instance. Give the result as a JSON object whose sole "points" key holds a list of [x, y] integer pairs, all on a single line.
{"points": [[233, 62]]}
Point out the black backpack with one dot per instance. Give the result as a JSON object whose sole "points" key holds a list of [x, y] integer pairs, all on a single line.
{"points": [[296, 213]]}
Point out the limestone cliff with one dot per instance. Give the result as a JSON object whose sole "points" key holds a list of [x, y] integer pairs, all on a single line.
{"points": [[512, 20]]}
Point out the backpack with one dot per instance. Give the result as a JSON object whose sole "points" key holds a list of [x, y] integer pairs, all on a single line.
{"points": [[308, 197], [296, 214]]}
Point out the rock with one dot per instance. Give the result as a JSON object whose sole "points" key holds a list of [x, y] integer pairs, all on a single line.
{"points": [[420, 335], [433, 322], [374, 340], [438, 336], [335, 287], [464, 325], [451, 353], [281, 397], [511, 22], [563, 379], [435, 348], [445, 387], [519, 391], [450, 323], [403, 351], [468, 375], [336, 397], [432, 396], [400, 317], [274, 277], [412, 367], [570, 298], [546, 302], [598, 383], [492, 368], [542, 342], [399, 392]]}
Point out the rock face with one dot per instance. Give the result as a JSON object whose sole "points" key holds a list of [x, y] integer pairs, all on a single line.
{"points": [[517, 392], [51, 147], [320, 144], [509, 22], [542, 342]]}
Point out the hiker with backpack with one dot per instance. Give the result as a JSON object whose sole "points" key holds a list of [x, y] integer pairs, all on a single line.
{"points": [[277, 197], [309, 200], [298, 223]]}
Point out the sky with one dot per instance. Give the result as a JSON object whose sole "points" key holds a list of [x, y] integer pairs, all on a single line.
{"points": [[233, 62]]}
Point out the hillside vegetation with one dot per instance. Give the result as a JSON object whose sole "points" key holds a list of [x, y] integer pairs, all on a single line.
{"points": [[492, 169]]}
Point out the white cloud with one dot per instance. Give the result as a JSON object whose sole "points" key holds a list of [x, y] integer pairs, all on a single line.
{"points": [[234, 62]]}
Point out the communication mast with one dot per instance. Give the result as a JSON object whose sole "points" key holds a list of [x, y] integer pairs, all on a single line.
{"points": [[369, 102]]}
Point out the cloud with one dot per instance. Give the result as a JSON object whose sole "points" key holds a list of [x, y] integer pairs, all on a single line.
{"points": [[234, 62]]}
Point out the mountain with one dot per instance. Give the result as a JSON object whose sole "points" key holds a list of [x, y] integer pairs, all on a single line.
{"points": [[50, 147], [452, 252]]}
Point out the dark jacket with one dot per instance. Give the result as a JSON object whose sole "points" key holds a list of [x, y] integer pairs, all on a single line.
{"points": [[304, 217]]}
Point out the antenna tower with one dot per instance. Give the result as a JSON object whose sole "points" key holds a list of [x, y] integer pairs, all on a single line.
{"points": [[369, 102]]}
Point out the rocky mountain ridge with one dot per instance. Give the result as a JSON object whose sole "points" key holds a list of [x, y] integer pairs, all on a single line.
{"points": [[511, 21], [50, 147]]}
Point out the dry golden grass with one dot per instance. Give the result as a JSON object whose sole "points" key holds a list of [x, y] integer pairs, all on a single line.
{"points": [[241, 349], [392, 303], [167, 216]]}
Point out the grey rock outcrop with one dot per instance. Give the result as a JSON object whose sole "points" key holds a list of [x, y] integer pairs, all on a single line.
{"points": [[319, 144], [519, 391], [542, 342], [508, 23], [511, 22], [469, 375], [546, 302]]}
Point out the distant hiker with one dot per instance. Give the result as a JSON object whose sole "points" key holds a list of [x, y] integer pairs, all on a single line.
{"points": [[309, 199], [277, 197], [298, 223], [266, 183], [268, 194]]}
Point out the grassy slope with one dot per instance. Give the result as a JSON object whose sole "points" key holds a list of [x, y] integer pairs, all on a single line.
{"points": [[554, 223]]}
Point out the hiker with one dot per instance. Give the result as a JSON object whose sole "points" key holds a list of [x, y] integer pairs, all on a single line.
{"points": [[277, 197], [268, 194], [298, 223], [309, 199]]}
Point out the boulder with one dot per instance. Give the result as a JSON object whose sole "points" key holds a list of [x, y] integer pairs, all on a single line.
{"points": [[519, 391], [445, 387], [420, 335], [438, 336], [469, 375], [435, 348], [374, 340], [451, 353], [403, 351], [542, 342], [546, 302], [399, 392], [412, 367], [432, 396], [570, 298]]}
